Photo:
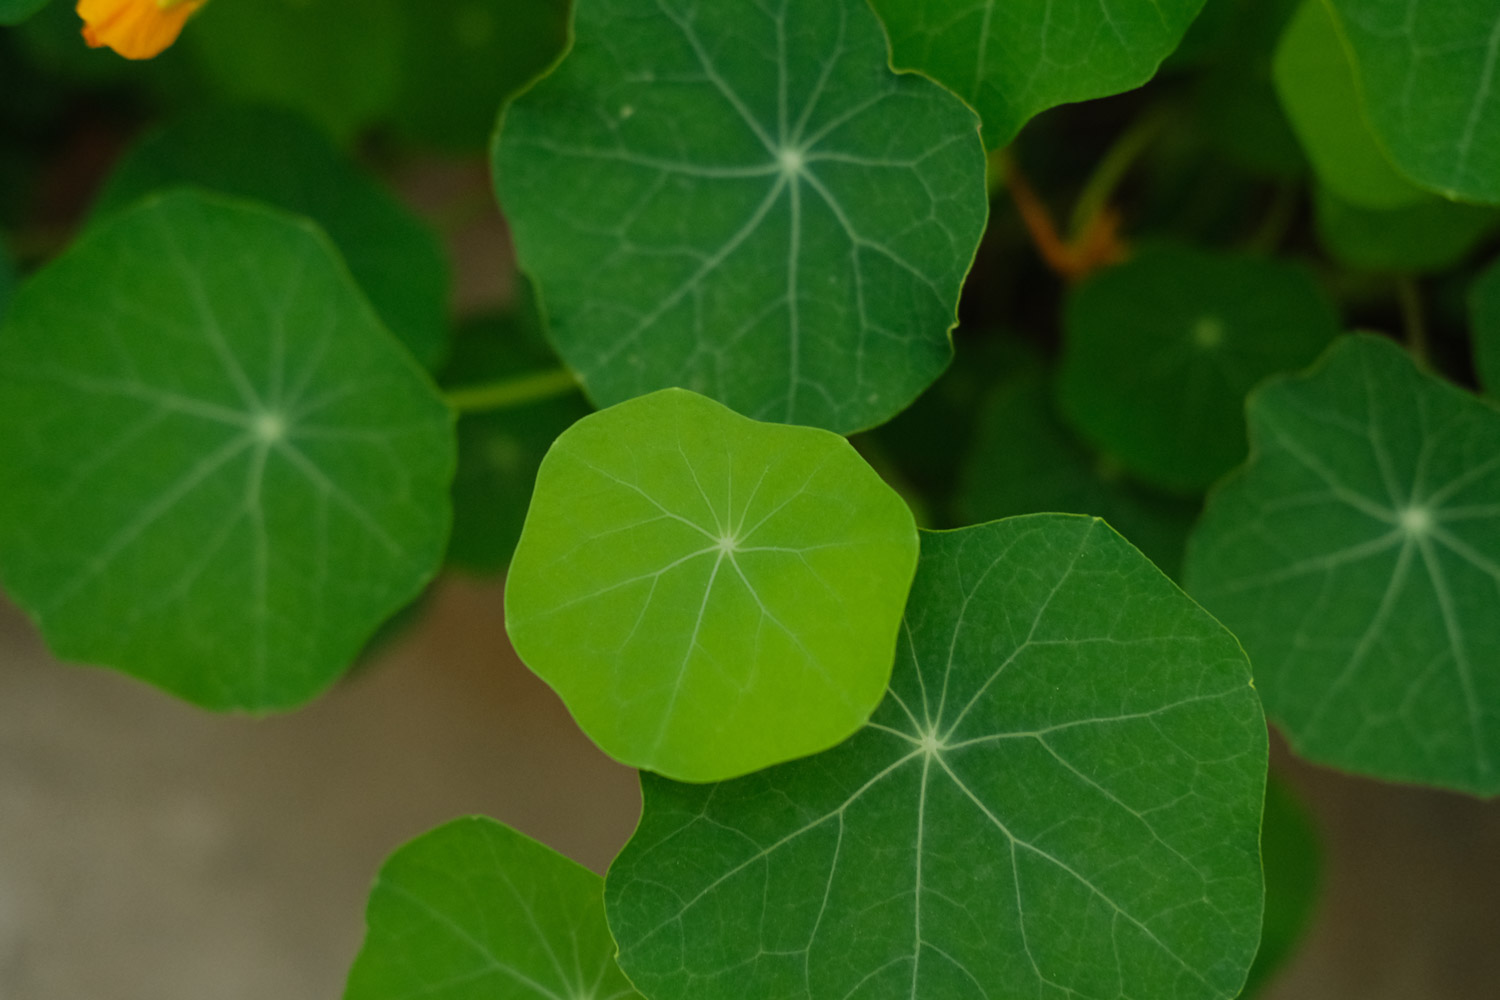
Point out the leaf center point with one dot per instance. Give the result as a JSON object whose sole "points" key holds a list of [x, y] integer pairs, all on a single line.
{"points": [[1208, 332], [728, 544], [791, 160], [268, 428], [1416, 520], [931, 743]]}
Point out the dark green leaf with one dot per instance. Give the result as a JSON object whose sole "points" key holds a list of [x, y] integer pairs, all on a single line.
{"points": [[1060, 797], [1161, 350], [1427, 72], [742, 199], [1357, 557], [1431, 235], [708, 594], [1485, 309], [218, 471], [279, 158], [476, 911], [1011, 59]]}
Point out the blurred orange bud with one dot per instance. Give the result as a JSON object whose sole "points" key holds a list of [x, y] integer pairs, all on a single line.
{"points": [[136, 29]]}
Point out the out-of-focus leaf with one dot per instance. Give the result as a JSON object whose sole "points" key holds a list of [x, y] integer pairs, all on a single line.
{"points": [[16, 11], [1432, 235], [1292, 856]]}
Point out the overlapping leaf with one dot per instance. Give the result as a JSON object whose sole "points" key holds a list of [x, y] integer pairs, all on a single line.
{"points": [[1427, 71], [281, 159], [709, 595], [218, 471], [476, 911], [1357, 557], [1059, 797], [1011, 59], [741, 198]]}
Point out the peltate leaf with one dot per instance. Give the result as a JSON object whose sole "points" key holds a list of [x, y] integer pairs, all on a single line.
{"points": [[282, 159], [1059, 797], [1357, 557], [1011, 59], [1161, 350], [1484, 304], [476, 911], [218, 471], [1427, 72], [742, 199], [709, 595]]}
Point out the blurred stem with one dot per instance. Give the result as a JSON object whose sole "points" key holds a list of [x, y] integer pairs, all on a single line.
{"points": [[1413, 322], [1278, 219], [1098, 246], [508, 393], [1112, 168]]}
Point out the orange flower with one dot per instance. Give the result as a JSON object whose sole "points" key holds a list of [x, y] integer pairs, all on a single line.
{"points": [[136, 29]]}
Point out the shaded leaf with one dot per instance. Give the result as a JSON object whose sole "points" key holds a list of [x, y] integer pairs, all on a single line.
{"points": [[709, 595], [1431, 235], [1059, 797], [1357, 557], [218, 471], [1292, 856], [741, 199]]}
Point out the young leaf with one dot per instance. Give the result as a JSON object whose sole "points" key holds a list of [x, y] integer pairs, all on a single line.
{"points": [[1433, 234], [1026, 461], [476, 911], [1318, 91], [740, 198], [218, 471], [1427, 71], [1161, 350], [709, 595], [1485, 307], [280, 158], [1012, 60], [1357, 557], [1059, 797]]}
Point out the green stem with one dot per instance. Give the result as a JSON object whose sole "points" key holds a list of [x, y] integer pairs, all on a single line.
{"points": [[507, 393], [1409, 297], [1112, 168]]}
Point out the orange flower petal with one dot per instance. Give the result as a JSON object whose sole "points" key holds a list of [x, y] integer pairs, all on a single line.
{"points": [[136, 29]]}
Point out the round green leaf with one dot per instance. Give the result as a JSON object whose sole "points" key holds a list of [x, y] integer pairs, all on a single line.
{"points": [[1485, 308], [1060, 797], [476, 911], [280, 158], [337, 61], [218, 471], [1317, 89], [1161, 350], [1025, 460], [1427, 72], [708, 594], [1357, 557], [742, 199], [1433, 234], [1012, 59]]}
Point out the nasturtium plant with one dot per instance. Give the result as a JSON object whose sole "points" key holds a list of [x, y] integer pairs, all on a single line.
{"points": [[1357, 557], [710, 595], [280, 158], [1485, 307], [1426, 71], [476, 911], [202, 424], [1059, 796], [1011, 60], [742, 199], [1161, 350]]}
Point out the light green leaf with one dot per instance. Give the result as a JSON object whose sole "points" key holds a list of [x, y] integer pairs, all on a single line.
{"points": [[741, 199], [499, 452], [1026, 461], [1484, 305], [16, 11], [1060, 797], [280, 158], [1431, 235], [1357, 557], [218, 471], [337, 61], [1161, 350], [464, 58], [709, 595], [476, 911], [1012, 59], [1293, 860], [1317, 89], [1427, 71]]}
